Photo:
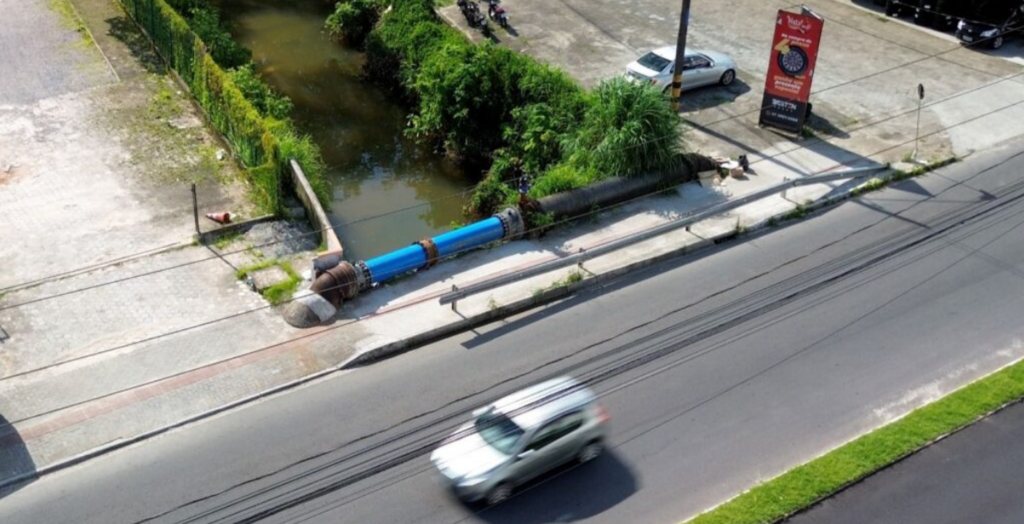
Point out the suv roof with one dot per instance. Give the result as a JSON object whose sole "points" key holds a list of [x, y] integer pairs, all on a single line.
{"points": [[537, 404]]}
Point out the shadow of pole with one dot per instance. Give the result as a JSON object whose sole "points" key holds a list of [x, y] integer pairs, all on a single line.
{"points": [[17, 469]]}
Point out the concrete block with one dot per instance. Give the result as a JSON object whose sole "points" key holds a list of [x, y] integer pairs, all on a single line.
{"points": [[307, 309], [264, 278]]}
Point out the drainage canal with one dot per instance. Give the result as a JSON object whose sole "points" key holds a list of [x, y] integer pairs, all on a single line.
{"points": [[374, 168]]}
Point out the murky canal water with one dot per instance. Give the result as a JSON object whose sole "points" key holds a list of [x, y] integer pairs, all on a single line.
{"points": [[374, 168]]}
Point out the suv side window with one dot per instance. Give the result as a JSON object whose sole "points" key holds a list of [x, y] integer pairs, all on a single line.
{"points": [[555, 430]]}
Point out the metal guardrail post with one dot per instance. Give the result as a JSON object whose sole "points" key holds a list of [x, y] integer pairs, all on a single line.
{"points": [[195, 212], [455, 289]]}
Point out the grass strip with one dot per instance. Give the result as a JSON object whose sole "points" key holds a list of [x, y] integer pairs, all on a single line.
{"points": [[805, 485], [280, 292]]}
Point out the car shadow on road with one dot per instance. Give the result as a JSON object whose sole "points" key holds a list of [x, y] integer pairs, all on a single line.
{"points": [[712, 96], [17, 469], [567, 494]]}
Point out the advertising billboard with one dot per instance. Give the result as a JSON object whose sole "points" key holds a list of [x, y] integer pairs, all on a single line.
{"points": [[791, 70]]}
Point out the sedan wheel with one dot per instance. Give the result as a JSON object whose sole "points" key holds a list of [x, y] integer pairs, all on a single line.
{"points": [[997, 42], [589, 452], [727, 77], [499, 494]]}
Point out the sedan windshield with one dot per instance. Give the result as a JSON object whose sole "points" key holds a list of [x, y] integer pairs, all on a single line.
{"points": [[654, 62], [499, 431]]}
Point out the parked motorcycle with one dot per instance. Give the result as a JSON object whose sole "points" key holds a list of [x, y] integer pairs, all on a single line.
{"points": [[497, 13], [471, 10]]}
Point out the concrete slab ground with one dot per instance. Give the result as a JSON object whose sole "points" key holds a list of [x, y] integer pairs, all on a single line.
{"points": [[98, 151]]}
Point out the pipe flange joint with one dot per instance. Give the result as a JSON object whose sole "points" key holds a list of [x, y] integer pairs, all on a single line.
{"points": [[512, 224], [364, 279], [430, 248]]}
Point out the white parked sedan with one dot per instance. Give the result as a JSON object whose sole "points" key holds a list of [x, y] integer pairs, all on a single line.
{"points": [[701, 68]]}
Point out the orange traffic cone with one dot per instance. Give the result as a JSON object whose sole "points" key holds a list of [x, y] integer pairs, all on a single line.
{"points": [[220, 218]]}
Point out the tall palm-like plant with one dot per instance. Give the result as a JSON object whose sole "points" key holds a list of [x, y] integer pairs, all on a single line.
{"points": [[629, 129]]}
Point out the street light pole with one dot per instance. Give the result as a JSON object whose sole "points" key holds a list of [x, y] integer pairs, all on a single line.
{"points": [[677, 73]]}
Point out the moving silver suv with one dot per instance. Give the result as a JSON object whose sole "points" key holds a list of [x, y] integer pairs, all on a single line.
{"points": [[520, 437]]}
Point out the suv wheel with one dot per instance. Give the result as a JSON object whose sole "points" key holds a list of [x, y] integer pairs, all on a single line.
{"points": [[590, 452], [499, 494], [997, 42]]}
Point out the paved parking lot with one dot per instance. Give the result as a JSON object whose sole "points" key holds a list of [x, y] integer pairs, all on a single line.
{"points": [[865, 84], [35, 68]]}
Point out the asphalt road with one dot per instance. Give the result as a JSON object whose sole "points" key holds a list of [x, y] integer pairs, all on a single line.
{"points": [[972, 476], [719, 371]]}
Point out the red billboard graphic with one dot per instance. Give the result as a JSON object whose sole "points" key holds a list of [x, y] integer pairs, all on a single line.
{"points": [[791, 69]]}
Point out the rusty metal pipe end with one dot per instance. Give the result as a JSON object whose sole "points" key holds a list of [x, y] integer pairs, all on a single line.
{"points": [[337, 284]]}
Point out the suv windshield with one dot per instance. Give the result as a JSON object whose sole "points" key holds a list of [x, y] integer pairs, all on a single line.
{"points": [[654, 62], [499, 431]]}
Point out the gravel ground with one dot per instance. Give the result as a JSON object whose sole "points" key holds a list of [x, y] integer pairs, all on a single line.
{"points": [[289, 238]]}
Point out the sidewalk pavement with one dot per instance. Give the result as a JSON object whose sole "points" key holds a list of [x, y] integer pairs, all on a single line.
{"points": [[107, 399]]}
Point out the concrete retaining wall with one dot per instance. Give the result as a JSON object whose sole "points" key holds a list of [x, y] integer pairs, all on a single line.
{"points": [[317, 216]]}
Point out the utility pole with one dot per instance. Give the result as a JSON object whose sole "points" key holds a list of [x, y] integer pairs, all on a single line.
{"points": [[677, 73]]}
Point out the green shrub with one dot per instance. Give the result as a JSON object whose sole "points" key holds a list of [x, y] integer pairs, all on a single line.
{"points": [[563, 177], [401, 39], [462, 106], [265, 99], [208, 26], [628, 130], [353, 20], [535, 135], [538, 223], [495, 192], [184, 6], [307, 154]]}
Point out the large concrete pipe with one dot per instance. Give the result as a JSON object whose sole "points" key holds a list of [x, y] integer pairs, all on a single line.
{"points": [[614, 190]]}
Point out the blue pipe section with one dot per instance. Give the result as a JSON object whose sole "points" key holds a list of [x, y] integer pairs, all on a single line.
{"points": [[390, 265], [409, 258], [469, 237]]}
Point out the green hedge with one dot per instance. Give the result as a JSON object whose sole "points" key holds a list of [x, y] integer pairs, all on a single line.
{"points": [[353, 20], [488, 106], [263, 143]]}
